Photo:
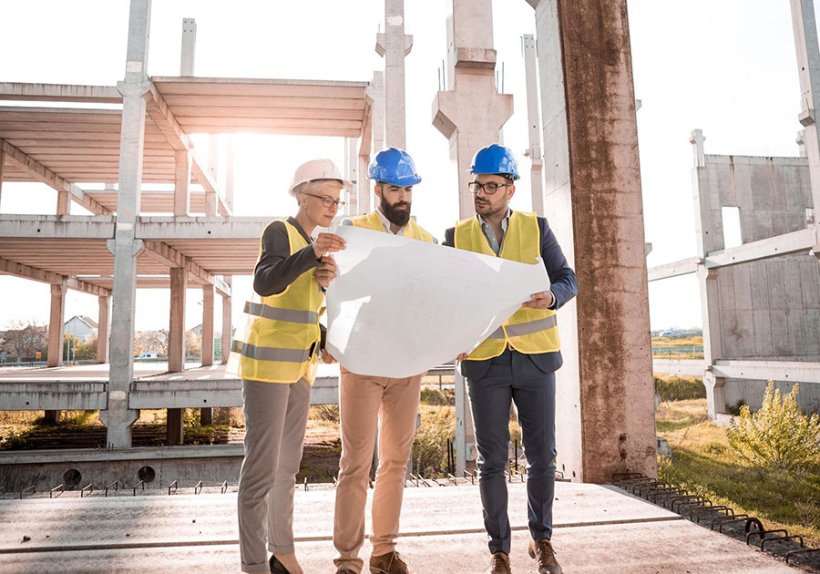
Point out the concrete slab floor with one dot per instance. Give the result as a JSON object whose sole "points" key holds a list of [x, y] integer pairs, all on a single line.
{"points": [[597, 529]]}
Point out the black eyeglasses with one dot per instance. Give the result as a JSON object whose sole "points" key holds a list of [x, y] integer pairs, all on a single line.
{"points": [[489, 188], [327, 201]]}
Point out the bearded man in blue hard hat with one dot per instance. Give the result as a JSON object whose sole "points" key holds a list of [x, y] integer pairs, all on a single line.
{"points": [[371, 404], [517, 363]]}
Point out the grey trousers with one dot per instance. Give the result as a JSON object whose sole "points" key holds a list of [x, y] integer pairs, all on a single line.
{"points": [[275, 420]]}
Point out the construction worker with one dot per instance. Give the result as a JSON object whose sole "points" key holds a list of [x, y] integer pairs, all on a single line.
{"points": [[276, 359], [368, 403], [517, 363]]}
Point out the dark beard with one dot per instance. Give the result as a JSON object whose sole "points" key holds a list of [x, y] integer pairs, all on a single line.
{"points": [[395, 217]]}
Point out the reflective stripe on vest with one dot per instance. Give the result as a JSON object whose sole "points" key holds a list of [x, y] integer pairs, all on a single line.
{"points": [[529, 330], [281, 332], [372, 221]]}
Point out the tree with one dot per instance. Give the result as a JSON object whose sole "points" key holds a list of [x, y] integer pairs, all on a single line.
{"points": [[24, 339], [152, 342]]}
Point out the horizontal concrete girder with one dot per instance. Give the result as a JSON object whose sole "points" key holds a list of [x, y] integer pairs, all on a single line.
{"points": [[53, 395]]}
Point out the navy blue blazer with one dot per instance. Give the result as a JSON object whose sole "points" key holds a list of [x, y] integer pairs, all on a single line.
{"points": [[563, 285]]}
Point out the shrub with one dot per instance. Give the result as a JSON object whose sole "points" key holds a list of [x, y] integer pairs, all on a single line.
{"points": [[438, 397], [429, 454], [679, 389], [778, 434]]}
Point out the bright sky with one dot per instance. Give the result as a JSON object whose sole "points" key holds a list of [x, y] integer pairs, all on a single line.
{"points": [[728, 68]]}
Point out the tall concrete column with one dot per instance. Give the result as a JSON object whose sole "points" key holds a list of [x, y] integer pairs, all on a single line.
{"points": [[808, 67], [118, 418], [592, 171], [182, 182], [55, 325], [187, 56], [533, 124], [472, 113], [227, 322], [708, 237], [176, 345], [394, 45], [102, 329], [470, 116], [206, 414], [375, 93], [352, 174]]}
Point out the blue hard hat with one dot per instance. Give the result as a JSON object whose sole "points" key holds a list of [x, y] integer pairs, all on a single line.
{"points": [[394, 166], [495, 160]]}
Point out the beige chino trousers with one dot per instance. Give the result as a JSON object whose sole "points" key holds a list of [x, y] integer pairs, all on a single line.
{"points": [[369, 405]]}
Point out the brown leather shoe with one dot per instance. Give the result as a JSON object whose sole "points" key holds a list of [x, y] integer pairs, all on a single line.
{"points": [[544, 557], [499, 564], [390, 563]]}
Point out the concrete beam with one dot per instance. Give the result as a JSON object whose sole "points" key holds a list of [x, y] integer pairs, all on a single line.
{"points": [[161, 228], [802, 241], [53, 395], [165, 120], [60, 93], [2, 165], [19, 270], [795, 371], [679, 367], [53, 180], [66, 227], [674, 269], [167, 255]]}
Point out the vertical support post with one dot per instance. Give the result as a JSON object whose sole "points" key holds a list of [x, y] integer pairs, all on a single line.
{"points": [[808, 67], [533, 124], [182, 182], [229, 180], [376, 94], [465, 445], [176, 345], [472, 113], [63, 203], [708, 237], [583, 48], [206, 416], [394, 45], [352, 174], [102, 329], [186, 60], [55, 325], [227, 322], [118, 418]]}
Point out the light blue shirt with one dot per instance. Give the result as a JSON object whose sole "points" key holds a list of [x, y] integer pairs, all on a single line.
{"points": [[495, 244]]}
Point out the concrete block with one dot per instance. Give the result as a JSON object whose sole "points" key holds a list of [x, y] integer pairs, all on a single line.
{"points": [[729, 333], [796, 319], [809, 282], [780, 333], [777, 284], [745, 334], [761, 177], [742, 286], [726, 288], [762, 326]]}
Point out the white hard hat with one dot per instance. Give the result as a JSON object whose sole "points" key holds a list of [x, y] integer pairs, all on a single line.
{"points": [[317, 169]]}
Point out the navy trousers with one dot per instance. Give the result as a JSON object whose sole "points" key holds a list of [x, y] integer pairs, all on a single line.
{"points": [[514, 377]]}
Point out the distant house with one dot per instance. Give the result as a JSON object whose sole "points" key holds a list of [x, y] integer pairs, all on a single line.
{"points": [[84, 328]]}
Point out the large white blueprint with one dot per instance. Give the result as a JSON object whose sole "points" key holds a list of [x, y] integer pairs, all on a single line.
{"points": [[399, 307]]}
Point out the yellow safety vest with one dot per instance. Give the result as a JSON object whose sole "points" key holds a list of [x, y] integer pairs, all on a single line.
{"points": [[528, 331], [281, 330], [374, 222]]}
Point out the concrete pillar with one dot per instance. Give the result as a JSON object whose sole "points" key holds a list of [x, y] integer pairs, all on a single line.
{"points": [[227, 322], [352, 174], [229, 181], [708, 238], [472, 113], [207, 325], [102, 329], [375, 92], [182, 183], [591, 148], [394, 45], [55, 325], [470, 116], [63, 203], [186, 60], [533, 124], [125, 247], [808, 67], [176, 345], [206, 414]]}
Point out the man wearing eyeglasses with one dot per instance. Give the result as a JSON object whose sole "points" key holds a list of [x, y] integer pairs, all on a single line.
{"points": [[371, 405], [517, 363]]}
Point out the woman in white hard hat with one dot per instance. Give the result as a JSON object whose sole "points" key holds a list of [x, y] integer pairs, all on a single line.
{"points": [[276, 359]]}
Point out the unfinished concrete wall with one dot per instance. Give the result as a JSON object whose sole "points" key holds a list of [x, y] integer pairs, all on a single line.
{"points": [[768, 309]]}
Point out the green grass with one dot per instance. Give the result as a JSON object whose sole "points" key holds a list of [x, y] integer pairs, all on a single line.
{"points": [[703, 463]]}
